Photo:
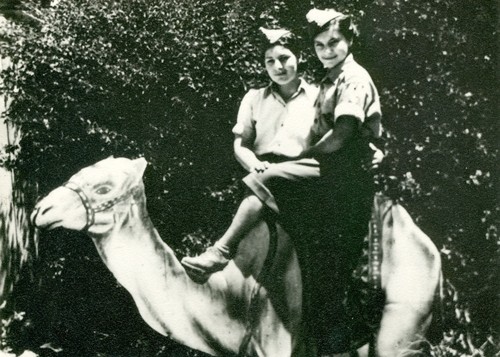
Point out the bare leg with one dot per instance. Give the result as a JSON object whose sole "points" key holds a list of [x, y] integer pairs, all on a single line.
{"points": [[216, 258], [247, 215]]}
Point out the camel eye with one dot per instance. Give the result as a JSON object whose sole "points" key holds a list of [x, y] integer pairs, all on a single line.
{"points": [[103, 190]]}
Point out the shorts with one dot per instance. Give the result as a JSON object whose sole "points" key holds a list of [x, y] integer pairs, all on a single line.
{"points": [[281, 176]]}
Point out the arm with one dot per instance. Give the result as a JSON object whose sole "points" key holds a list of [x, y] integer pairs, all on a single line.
{"points": [[246, 157], [335, 138], [244, 132]]}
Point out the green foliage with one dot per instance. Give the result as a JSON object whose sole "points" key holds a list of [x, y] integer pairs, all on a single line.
{"points": [[163, 79]]}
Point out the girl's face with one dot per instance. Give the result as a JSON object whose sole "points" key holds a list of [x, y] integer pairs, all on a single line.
{"points": [[331, 47], [281, 65]]}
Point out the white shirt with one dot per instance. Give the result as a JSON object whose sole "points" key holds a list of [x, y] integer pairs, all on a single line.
{"points": [[276, 127]]}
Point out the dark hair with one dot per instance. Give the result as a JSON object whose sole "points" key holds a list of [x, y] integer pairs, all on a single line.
{"points": [[291, 41], [345, 25]]}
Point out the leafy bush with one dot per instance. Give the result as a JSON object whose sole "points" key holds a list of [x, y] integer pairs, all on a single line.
{"points": [[163, 79]]}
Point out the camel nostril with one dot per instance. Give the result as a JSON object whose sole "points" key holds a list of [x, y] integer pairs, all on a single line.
{"points": [[46, 210]]}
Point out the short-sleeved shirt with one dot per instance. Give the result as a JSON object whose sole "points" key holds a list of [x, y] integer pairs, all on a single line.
{"points": [[275, 126], [349, 90]]}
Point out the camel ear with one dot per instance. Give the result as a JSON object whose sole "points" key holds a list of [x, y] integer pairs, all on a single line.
{"points": [[140, 166]]}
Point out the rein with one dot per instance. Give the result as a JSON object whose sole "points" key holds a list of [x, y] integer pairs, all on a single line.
{"points": [[92, 210]]}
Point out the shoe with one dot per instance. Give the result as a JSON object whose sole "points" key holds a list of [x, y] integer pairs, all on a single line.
{"points": [[211, 261]]}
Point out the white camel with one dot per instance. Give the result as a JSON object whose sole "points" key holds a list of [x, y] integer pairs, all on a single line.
{"points": [[252, 307]]}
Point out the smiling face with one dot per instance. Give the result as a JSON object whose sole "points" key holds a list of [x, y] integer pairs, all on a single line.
{"points": [[331, 47], [281, 65]]}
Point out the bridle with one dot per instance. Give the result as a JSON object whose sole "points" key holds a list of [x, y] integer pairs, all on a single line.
{"points": [[92, 210]]}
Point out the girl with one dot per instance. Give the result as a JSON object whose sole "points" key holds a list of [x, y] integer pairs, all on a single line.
{"points": [[273, 139], [273, 128], [347, 121]]}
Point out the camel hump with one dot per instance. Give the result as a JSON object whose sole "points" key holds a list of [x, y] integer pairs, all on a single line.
{"points": [[408, 256], [403, 226]]}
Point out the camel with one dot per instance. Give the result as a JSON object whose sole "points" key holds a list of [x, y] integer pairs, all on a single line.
{"points": [[254, 306]]}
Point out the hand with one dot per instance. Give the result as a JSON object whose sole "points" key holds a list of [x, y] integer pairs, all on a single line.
{"points": [[376, 159], [378, 156], [260, 166]]}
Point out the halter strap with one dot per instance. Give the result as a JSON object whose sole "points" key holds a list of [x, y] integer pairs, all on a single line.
{"points": [[92, 210]]}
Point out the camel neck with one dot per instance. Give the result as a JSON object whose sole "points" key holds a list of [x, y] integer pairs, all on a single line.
{"points": [[132, 236], [148, 269]]}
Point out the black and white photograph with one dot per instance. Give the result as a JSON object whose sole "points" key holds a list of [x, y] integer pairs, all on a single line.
{"points": [[249, 178]]}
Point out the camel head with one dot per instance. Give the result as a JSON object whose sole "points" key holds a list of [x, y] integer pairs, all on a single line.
{"points": [[92, 198]]}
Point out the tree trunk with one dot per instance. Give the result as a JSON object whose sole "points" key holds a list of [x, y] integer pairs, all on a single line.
{"points": [[18, 240]]}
